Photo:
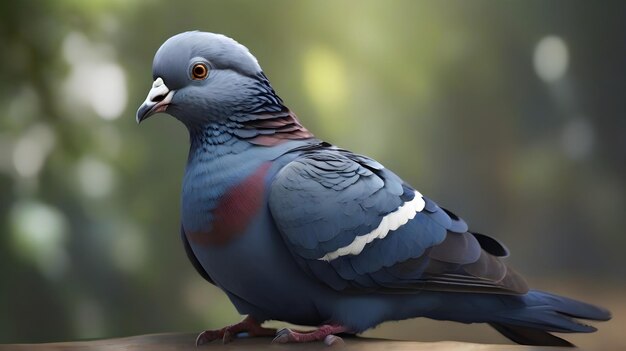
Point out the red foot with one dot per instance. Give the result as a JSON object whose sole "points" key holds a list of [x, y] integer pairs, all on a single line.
{"points": [[227, 334], [325, 332]]}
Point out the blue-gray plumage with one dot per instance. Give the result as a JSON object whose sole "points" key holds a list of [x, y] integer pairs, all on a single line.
{"points": [[295, 229]]}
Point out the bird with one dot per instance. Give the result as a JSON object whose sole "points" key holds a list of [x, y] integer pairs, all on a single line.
{"points": [[295, 229]]}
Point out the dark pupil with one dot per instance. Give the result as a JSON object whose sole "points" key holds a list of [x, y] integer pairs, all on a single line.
{"points": [[199, 71]]}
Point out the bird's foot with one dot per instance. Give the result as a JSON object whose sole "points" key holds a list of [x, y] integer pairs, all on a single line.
{"points": [[248, 325], [325, 333]]}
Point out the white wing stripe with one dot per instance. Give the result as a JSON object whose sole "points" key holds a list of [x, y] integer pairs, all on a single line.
{"points": [[392, 221]]}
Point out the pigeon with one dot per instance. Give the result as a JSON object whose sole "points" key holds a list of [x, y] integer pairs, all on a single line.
{"points": [[295, 229]]}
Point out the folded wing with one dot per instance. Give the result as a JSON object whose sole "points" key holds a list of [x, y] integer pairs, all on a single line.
{"points": [[356, 226]]}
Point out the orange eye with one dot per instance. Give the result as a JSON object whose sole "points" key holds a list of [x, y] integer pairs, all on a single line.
{"points": [[199, 71]]}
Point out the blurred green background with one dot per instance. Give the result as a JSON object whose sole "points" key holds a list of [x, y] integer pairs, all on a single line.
{"points": [[513, 114]]}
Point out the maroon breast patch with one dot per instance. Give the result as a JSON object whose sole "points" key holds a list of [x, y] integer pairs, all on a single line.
{"points": [[235, 210]]}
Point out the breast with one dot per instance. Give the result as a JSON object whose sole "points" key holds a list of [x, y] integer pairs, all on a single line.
{"points": [[224, 186], [233, 210]]}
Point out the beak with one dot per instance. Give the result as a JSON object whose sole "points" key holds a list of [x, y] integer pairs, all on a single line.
{"points": [[158, 99]]}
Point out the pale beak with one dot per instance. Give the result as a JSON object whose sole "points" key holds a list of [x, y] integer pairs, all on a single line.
{"points": [[158, 99]]}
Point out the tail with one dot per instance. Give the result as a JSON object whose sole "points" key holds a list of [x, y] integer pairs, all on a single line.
{"points": [[540, 313]]}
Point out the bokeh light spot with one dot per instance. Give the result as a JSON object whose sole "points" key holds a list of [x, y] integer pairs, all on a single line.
{"points": [[95, 78], [96, 178], [551, 58], [324, 77], [38, 235], [108, 90], [31, 149]]}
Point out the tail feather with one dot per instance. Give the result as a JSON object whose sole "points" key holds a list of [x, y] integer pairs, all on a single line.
{"points": [[529, 336], [539, 313], [571, 307], [546, 318]]}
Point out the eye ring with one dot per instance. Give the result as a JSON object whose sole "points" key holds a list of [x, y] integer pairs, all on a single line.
{"points": [[199, 71]]}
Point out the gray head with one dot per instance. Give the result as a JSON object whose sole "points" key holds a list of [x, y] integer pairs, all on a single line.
{"points": [[204, 77]]}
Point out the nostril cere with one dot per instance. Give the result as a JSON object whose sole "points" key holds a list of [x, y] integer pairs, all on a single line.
{"points": [[158, 98]]}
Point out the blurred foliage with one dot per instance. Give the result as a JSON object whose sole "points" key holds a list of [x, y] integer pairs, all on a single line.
{"points": [[511, 113]]}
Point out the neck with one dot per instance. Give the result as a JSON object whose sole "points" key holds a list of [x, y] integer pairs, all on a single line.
{"points": [[260, 119], [267, 128]]}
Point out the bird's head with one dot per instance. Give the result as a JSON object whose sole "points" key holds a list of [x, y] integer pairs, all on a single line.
{"points": [[203, 77]]}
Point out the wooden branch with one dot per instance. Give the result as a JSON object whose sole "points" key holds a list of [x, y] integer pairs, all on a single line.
{"points": [[185, 341]]}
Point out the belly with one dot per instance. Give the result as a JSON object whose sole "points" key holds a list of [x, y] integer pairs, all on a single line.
{"points": [[260, 276]]}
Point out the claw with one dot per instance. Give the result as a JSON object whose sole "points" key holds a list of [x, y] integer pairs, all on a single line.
{"points": [[332, 340], [206, 337], [284, 331], [282, 336], [228, 337], [200, 339]]}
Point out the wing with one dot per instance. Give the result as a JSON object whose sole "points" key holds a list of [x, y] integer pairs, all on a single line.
{"points": [[356, 226]]}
